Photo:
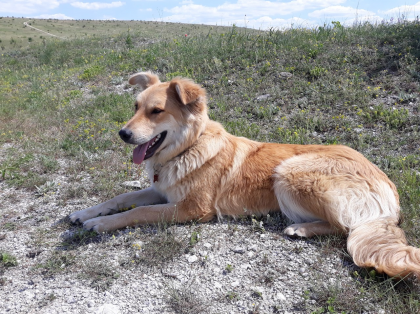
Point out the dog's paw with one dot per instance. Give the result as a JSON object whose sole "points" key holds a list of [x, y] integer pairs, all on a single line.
{"points": [[79, 217], [99, 224], [295, 231]]}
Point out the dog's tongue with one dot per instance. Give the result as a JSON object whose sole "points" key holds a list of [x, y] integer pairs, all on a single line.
{"points": [[139, 153]]}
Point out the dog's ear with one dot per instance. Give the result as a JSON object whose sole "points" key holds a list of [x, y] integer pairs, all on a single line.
{"points": [[144, 79], [186, 90]]}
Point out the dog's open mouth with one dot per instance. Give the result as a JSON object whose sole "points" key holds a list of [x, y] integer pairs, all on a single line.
{"points": [[148, 149]]}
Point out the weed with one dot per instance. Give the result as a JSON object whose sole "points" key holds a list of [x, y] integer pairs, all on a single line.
{"points": [[56, 263], [183, 300], [7, 260], [232, 296], [229, 268], [9, 226], [163, 247], [80, 237], [100, 275], [194, 238], [47, 300], [91, 72]]}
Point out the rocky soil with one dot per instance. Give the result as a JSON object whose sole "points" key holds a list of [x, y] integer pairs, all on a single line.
{"points": [[229, 266]]}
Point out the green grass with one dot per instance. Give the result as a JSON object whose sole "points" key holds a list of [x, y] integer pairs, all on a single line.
{"points": [[63, 102]]}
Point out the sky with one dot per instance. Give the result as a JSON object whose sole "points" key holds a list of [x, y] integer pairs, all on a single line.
{"points": [[259, 14]]}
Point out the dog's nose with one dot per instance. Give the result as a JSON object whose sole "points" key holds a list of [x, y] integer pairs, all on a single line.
{"points": [[125, 134]]}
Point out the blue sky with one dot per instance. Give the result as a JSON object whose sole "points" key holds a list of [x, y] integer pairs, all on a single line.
{"points": [[252, 13]]}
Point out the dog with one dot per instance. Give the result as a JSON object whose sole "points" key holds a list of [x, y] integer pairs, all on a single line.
{"points": [[199, 171]]}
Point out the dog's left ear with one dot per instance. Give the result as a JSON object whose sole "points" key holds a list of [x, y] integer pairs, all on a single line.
{"points": [[187, 91], [144, 79]]}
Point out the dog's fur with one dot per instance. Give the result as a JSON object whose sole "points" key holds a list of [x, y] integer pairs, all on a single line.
{"points": [[202, 172]]}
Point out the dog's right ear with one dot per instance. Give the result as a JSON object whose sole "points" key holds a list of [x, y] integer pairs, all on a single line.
{"points": [[144, 79]]}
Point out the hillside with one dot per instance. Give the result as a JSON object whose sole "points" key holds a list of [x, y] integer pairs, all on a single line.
{"points": [[62, 102]]}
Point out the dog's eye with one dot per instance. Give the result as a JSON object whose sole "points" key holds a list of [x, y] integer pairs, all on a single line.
{"points": [[156, 111]]}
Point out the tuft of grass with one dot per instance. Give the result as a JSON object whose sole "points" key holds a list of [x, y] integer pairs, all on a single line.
{"points": [[57, 262], [163, 247], [7, 260], [183, 300], [99, 274]]}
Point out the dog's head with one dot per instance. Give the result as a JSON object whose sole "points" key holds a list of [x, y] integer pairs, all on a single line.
{"points": [[168, 118]]}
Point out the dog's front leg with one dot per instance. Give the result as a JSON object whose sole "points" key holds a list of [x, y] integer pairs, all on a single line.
{"points": [[141, 215], [138, 198]]}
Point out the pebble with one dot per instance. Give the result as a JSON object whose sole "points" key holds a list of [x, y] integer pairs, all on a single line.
{"points": [[192, 258], [280, 297], [108, 309], [263, 97], [132, 184], [239, 250], [90, 303], [286, 74]]}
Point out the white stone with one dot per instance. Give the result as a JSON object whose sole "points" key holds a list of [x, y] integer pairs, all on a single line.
{"points": [[280, 297], [108, 309], [192, 258]]}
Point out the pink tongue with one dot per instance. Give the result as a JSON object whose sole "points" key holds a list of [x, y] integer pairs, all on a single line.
{"points": [[140, 152]]}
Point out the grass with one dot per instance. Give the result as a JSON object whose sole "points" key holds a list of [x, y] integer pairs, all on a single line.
{"points": [[63, 102]]}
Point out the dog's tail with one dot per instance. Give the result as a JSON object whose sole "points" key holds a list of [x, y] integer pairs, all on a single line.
{"points": [[382, 244]]}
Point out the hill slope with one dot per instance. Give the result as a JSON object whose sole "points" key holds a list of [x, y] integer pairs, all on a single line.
{"points": [[63, 102]]}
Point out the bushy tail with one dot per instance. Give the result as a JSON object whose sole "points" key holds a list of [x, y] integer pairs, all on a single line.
{"points": [[382, 244]]}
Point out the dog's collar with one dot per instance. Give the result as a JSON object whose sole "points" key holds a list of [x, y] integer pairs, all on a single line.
{"points": [[156, 170]]}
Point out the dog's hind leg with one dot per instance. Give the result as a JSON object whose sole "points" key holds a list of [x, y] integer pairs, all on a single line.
{"points": [[310, 229]]}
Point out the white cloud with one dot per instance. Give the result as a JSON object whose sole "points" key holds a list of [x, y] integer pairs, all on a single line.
{"points": [[406, 10], [58, 16], [23, 7], [340, 12], [252, 10], [107, 17], [97, 5]]}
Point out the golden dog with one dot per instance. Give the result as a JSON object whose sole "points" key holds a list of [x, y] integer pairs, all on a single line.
{"points": [[199, 171]]}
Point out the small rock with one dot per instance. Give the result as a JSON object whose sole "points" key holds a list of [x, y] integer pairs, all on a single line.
{"points": [[71, 300], [108, 309], [253, 247], [285, 74], [239, 250], [207, 245], [90, 303], [246, 266], [280, 297], [33, 254], [218, 285], [263, 97], [235, 284], [250, 254], [302, 270], [192, 259], [132, 184]]}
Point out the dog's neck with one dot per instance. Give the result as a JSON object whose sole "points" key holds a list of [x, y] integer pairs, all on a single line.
{"points": [[206, 145]]}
